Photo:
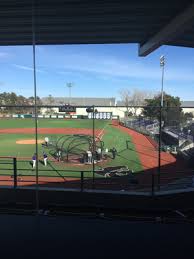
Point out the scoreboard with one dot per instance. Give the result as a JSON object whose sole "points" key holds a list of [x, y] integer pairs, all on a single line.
{"points": [[67, 108], [101, 115]]}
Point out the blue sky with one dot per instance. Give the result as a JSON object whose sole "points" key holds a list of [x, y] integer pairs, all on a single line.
{"points": [[96, 70]]}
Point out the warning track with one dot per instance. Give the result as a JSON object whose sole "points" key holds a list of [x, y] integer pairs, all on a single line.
{"points": [[147, 153]]}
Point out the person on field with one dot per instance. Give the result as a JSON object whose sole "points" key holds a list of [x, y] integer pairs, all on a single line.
{"points": [[89, 156], [59, 155], [114, 152], [106, 153], [96, 156], [46, 141], [99, 154], [34, 160], [45, 157], [85, 157]]}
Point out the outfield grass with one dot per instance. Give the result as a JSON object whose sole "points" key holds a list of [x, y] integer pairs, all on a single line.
{"points": [[52, 123], [113, 137]]}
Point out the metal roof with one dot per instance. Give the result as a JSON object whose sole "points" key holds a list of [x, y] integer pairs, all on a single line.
{"points": [[97, 21], [187, 104], [82, 101], [89, 101]]}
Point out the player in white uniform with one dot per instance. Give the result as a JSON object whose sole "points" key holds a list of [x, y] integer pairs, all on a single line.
{"points": [[34, 161], [46, 141], [89, 156]]}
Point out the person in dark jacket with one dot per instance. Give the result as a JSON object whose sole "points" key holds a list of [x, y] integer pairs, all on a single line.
{"points": [[114, 152]]}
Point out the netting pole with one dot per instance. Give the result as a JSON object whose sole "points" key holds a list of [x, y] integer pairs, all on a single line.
{"points": [[152, 184], [162, 63], [82, 181], [15, 172], [35, 100], [93, 147], [159, 147]]}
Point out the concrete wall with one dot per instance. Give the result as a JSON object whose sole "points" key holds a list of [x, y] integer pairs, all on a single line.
{"points": [[117, 111], [188, 110]]}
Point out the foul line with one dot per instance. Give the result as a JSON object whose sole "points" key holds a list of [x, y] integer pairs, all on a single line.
{"points": [[101, 133]]}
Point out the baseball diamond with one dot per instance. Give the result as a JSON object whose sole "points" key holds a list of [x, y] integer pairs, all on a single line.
{"points": [[74, 138]]}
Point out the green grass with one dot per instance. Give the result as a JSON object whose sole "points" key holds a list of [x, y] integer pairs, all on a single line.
{"points": [[52, 123], [113, 137], [24, 167]]}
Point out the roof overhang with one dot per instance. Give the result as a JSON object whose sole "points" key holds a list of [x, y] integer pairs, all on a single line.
{"points": [[149, 23]]}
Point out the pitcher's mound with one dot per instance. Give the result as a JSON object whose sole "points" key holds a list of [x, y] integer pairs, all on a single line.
{"points": [[29, 141]]}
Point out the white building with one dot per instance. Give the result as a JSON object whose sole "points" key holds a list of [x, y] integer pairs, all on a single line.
{"points": [[188, 106], [101, 104]]}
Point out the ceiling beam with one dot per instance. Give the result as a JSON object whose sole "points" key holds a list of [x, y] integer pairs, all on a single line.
{"points": [[173, 29]]}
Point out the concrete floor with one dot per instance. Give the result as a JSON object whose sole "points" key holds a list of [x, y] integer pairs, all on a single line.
{"points": [[23, 236]]}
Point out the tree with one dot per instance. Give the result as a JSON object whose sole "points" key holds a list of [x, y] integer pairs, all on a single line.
{"points": [[133, 99], [21, 100], [8, 99], [171, 110], [185, 117], [17, 100], [125, 97], [38, 102], [31, 101], [138, 98], [3, 102], [51, 101], [188, 115]]}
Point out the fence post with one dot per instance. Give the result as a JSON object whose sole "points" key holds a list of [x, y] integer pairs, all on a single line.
{"points": [[152, 184], [15, 171], [82, 181], [127, 144]]}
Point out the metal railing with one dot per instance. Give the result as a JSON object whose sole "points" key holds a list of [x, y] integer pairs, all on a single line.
{"points": [[17, 176], [134, 182]]}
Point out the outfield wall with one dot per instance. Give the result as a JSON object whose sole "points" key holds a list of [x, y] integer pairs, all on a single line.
{"points": [[99, 115], [116, 111]]}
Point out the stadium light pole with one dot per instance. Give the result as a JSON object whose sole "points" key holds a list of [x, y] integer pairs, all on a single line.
{"points": [[69, 85], [162, 63], [35, 105]]}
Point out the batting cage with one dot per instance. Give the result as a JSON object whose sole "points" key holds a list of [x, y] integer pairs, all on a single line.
{"points": [[73, 148]]}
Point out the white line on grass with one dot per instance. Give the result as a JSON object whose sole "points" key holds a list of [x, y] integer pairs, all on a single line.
{"points": [[101, 133]]}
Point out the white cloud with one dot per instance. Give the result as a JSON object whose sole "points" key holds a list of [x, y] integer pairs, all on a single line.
{"points": [[4, 54], [28, 68], [112, 67], [65, 72], [63, 61]]}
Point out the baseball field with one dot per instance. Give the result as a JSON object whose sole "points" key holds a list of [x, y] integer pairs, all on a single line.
{"points": [[17, 139]]}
